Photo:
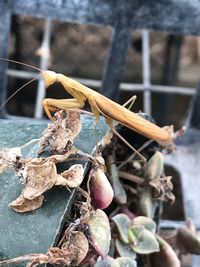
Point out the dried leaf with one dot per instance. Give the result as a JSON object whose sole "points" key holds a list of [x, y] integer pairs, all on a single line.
{"points": [[76, 245], [162, 189], [9, 158], [60, 135], [60, 158], [72, 177], [40, 177], [73, 122], [54, 256], [22, 204], [72, 253]]}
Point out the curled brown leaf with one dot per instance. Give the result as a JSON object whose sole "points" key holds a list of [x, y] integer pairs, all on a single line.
{"points": [[9, 158], [163, 189], [72, 177], [22, 204], [41, 175], [60, 135], [76, 245]]}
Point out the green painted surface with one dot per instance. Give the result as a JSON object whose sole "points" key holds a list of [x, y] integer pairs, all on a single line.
{"points": [[35, 231]]}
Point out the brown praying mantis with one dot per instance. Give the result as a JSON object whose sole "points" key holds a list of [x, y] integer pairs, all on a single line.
{"points": [[99, 104]]}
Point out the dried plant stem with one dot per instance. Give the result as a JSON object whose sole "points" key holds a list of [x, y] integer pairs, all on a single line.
{"points": [[20, 259], [86, 195], [131, 177]]}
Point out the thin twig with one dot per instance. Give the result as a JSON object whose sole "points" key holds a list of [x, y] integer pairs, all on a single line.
{"points": [[131, 177], [20, 259]]}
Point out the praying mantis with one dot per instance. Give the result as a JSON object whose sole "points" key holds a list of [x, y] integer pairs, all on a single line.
{"points": [[100, 105]]}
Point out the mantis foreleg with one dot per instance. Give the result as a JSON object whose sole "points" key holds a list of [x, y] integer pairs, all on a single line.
{"points": [[51, 104]]}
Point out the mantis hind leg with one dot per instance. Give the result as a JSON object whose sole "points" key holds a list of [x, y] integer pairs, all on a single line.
{"points": [[50, 104], [109, 121], [130, 101]]}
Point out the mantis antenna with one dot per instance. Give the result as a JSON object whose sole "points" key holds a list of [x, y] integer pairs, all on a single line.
{"points": [[20, 63], [32, 80], [37, 77]]}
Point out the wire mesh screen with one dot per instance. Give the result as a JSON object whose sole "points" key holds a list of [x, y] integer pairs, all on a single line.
{"points": [[74, 49], [81, 50]]}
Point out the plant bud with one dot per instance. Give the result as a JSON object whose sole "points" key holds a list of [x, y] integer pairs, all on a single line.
{"points": [[101, 192]]}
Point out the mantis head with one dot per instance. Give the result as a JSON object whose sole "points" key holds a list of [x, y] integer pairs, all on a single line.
{"points": [[50, 77]]}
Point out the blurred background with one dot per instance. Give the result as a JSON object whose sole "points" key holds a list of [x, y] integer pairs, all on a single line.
{"points": [[80, 51]]}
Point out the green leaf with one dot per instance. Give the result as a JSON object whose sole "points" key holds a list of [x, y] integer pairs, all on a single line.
{"points": [[126, 262], [107, 262], [142, 241], [124, 250], [148, 223], [154, 166], [119, 191], [123, 224], [100, 231], [146, 202]]}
